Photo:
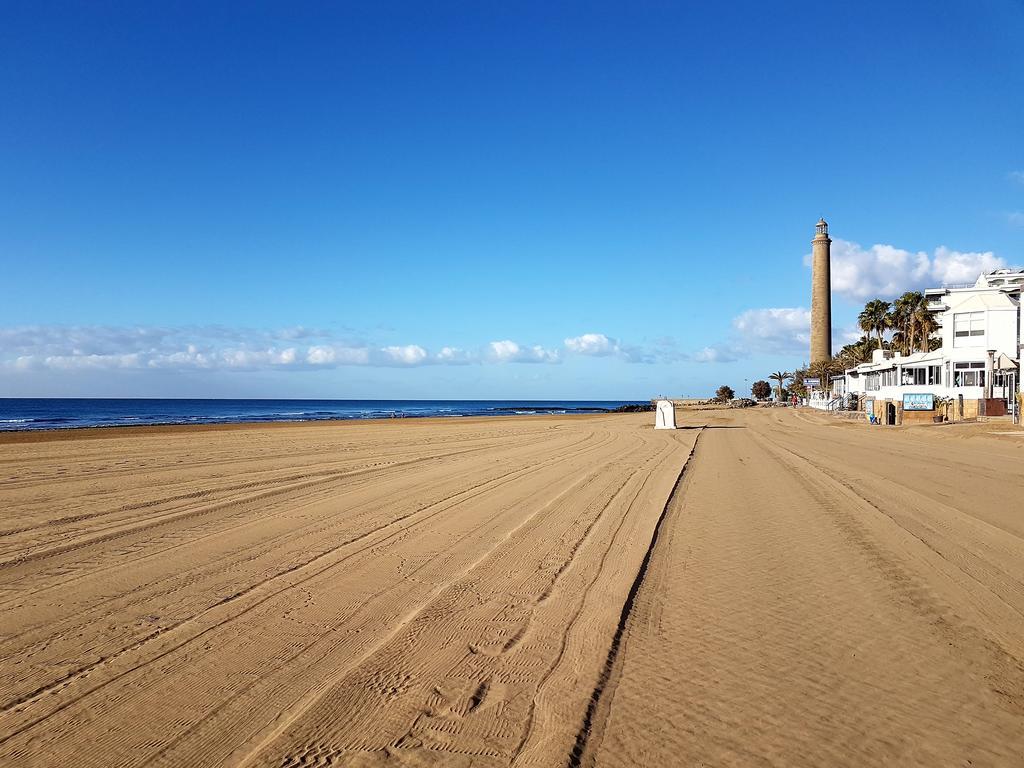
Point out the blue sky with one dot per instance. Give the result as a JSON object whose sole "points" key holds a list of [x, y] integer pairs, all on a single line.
{"points": [[565, 200]]}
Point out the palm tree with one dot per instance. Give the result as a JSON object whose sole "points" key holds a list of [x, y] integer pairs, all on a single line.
{"points": [[905, 318], [875, 319], [781, 377], [844, 358], [797, 385], [899, 317], [926, 325], [899, 340], [852, 355], [823, 370]]}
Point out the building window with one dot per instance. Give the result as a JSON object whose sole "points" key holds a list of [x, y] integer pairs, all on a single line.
{"points": [[968, 374], [871, 382], [1000, 379], [927, 375], [909, 374], [967, 325]]}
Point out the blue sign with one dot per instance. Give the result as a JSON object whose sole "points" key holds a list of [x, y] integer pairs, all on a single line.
{"points": [[919, 402]]}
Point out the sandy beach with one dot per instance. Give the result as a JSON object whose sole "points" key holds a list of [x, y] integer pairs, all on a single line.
{"points": [[758, 588]]}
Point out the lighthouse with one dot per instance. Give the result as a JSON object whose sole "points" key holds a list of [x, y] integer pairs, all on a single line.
{"points": [[821, 294]]}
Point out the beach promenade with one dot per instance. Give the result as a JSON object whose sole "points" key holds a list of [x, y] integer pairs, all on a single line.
{"points": [[759, 588]]}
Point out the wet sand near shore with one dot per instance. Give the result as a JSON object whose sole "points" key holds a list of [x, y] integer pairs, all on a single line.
{"points": [[760, 588]]}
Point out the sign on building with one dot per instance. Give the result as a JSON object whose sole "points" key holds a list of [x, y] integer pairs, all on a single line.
{"points": [[918, 402]]}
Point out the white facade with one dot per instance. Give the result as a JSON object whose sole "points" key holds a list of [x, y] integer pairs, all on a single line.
{"points": [[828, 399], [980, 328]]}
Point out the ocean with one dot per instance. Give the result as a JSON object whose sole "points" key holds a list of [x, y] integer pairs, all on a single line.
{"points": [[69, 413]]}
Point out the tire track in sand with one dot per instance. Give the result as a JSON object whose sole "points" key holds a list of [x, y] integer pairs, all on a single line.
{"points": [[786, 622], [83, 671], [605, 685], [316, 695]]}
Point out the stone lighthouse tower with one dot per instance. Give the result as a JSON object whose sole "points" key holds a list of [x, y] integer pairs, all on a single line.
{"points": [[821, 294]]}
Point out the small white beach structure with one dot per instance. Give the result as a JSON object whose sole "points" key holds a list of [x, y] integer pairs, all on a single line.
{"points": [[665, 415]]}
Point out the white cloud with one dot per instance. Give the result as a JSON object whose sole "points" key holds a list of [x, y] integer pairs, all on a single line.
{"points": [[885, 271], [332, 355], [411, 354], [1017, 176], [76, 348], [298, 332], [455, 356], [507, 351], [1015, 218], [244, 359], [717, 354], [80, 362], [593, 344], [632, 354], [600, 345], [846, 335], [209, 348], [217, 348], [80, 340], [504, 350], [320, 355], [951, 266], [773, 329], [770, 330]]}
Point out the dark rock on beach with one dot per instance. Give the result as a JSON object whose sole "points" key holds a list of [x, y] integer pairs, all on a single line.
{"points": [[633, 408]]}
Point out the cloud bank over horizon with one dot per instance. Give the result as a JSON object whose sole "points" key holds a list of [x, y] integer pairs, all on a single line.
{"points": [[858, 274], [218, 348]]}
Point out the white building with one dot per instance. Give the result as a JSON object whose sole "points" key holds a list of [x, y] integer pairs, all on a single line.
{"points": [[977, 366]]}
